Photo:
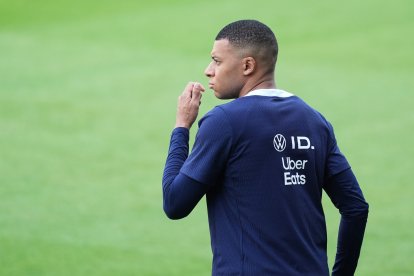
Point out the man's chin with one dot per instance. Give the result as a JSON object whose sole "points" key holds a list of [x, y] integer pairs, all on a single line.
{"points": [[219, 96], [223, 96]]}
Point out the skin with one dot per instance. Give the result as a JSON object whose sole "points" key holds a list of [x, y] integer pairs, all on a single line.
{"points": [[188, 105], [232, 73]]}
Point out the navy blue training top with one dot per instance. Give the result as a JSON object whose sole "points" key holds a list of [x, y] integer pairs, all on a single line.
{"points": [[263, 162]]}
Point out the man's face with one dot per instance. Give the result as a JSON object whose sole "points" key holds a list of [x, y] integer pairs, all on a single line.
{"points": [[225, 71]]}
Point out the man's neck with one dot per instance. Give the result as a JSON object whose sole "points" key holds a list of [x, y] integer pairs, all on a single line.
{"points": [[262, 84]]}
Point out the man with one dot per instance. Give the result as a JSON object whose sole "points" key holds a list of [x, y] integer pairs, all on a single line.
{"points": [[262, 160]]}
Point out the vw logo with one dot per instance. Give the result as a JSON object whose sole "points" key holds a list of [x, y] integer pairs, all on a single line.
{"points": [[279, 142]]}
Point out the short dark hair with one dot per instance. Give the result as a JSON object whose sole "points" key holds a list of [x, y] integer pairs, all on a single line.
{"points": [[254, 35]]}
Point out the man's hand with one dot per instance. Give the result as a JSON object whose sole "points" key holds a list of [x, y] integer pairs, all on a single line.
{"points": [[188, 104]]}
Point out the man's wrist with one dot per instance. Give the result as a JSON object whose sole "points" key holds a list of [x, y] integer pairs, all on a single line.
{"points": [[183, 130], [184, 125], [180, 133]]}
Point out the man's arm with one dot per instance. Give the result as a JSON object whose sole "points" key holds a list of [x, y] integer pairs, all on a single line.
{"points": [[346, 195], [181, 193]]}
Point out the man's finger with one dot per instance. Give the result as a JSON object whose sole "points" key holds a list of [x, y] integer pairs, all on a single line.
{"points": [[199, 87], [196, 96], [188, 89]]}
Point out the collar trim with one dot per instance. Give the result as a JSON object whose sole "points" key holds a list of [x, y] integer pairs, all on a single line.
{"points": [[270, 93]]}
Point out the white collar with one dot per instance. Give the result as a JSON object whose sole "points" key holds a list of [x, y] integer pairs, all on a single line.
{"points": [[270, 93]]}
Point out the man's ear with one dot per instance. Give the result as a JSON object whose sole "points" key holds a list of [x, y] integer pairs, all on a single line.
{"points": [[249, 65]]}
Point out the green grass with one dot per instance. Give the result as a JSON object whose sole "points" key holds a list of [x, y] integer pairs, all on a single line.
{"points": [[87, 102]]}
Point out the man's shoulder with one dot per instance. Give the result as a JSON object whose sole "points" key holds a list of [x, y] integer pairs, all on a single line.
{"points": [[215, 116], [241, 109], [220, 110], [234, 105], [254, 103]]}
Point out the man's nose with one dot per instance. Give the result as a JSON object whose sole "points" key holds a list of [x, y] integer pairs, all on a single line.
{"points": [[209, 72]]}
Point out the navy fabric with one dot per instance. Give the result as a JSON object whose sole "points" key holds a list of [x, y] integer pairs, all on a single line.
{"points": [[180, 193], [263, 162]]}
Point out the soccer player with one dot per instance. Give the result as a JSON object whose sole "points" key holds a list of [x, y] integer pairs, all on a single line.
{"points": [[262, 160]]}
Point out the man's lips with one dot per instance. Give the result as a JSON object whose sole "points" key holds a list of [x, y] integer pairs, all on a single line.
{"points": [[210, 85]]}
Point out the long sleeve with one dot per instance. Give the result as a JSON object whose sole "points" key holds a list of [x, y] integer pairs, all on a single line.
{"points": [[346, 195], [180, 193]]}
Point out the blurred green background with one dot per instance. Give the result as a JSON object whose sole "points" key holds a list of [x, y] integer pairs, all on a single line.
{"points": [[88, 93]]}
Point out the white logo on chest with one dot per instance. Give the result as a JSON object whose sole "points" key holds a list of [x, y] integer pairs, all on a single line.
{"points": [[279, 142]]}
